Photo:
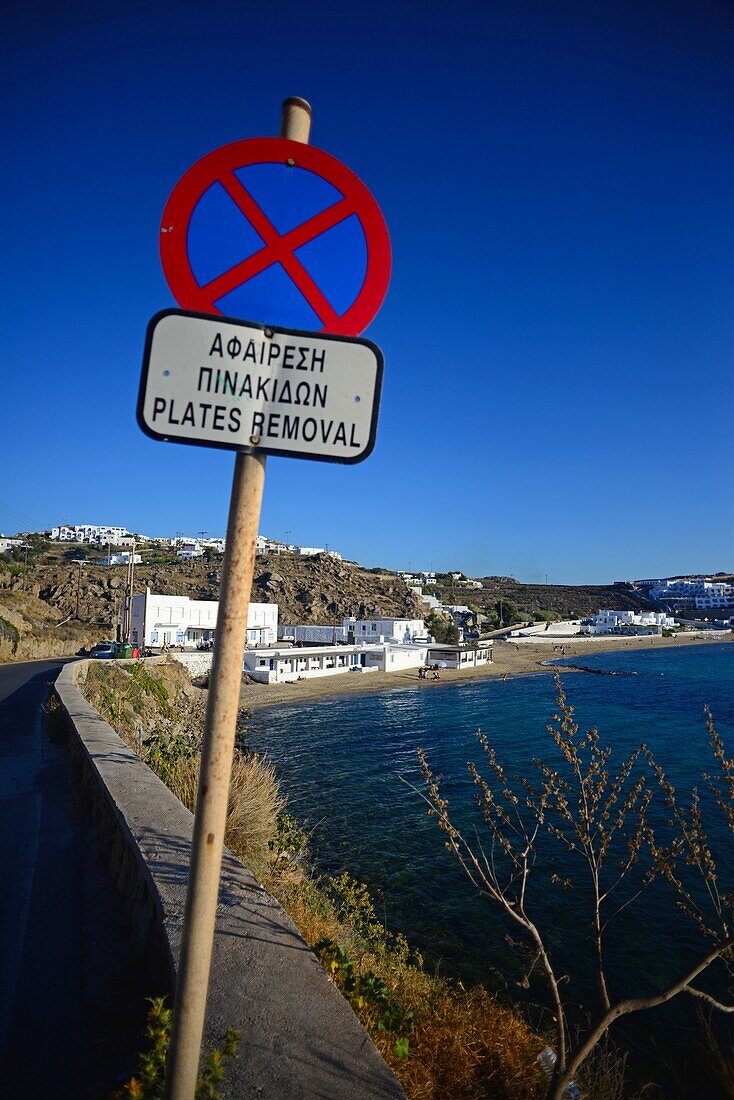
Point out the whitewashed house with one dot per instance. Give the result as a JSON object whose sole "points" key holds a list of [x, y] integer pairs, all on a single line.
{"points": [[384, 630], [122, 558], [628, 622], [282, 666], [699, 592], [159, 620], [355, 631], [457, 656], [89, 532]]}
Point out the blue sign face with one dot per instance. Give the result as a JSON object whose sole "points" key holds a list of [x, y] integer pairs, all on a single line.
{"points": [[221, 235], [278, 233]]}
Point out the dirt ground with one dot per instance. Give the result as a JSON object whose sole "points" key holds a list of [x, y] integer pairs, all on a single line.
{"points": [[510, 659]]}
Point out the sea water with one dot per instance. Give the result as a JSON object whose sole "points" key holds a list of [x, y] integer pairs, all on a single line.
{"points": [[349, 768]]}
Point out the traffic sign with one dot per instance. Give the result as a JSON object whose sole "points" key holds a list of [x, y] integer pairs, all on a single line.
{"points": [[246, 387], [278, 231]]}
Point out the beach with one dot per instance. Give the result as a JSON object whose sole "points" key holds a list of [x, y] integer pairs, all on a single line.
{"points": [[515, 658]]}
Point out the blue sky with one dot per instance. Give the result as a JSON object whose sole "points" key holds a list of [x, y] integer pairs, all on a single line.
{"points": [[557, 182]]}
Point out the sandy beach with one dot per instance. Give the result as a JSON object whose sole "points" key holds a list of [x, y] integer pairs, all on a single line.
{"points": [[510, 659]]}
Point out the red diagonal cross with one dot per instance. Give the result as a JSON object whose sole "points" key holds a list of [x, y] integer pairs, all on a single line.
{"points": [[279, 248]]}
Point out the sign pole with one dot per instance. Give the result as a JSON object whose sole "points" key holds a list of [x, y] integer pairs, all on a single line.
{"points": [[218, 743]]}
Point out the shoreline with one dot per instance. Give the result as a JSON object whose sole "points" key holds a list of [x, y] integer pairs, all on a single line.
{"points": [[511, 659]]}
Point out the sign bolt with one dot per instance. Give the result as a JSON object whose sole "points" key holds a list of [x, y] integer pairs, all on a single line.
{"points": [[255, 439]]}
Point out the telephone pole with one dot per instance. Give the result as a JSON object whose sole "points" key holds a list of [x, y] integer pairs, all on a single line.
{"points": [[80, 562]]}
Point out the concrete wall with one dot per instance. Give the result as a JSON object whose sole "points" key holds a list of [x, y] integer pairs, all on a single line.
{"points": [[300, 1039], [196, 664]]}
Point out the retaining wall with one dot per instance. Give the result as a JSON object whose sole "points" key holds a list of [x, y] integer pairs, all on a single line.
{"points": [[196, 664], [300, 1038]]}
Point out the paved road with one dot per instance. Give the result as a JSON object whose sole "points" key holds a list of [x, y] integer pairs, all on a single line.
{"points": [[71, 997]]}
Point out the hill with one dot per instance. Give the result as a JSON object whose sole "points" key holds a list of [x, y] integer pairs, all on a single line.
{"points": [[38, 608], [564, 601], [319, 590]]}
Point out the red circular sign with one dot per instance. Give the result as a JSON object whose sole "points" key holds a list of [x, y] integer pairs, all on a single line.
{"points": [[272, 225]]}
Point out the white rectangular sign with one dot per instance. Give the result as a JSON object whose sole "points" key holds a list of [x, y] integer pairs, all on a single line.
{"points": [[224, 383]]}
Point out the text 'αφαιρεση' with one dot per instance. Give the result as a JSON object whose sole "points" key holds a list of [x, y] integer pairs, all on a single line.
{"points": [[269, 353]]}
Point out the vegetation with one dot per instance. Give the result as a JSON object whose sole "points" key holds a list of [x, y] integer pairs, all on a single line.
{"points": [[507, 613], [602, 823], [140, 701], [444, 630], [441, 1039], [7, 630], [150, 1080]]}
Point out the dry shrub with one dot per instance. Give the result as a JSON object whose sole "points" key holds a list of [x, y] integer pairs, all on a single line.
{"points": [[464, 1045], [254, 804]]}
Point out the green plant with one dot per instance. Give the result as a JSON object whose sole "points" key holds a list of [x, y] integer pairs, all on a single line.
{"points": [[290, 839], [368, 994], [150, 1080]]}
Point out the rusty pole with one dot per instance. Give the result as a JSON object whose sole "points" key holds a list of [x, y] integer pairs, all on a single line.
{"points": [[218, 742]]}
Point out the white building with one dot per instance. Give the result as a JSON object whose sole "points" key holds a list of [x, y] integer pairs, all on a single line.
{"points": [[89, 532], [264, 545], [697, 592], [628, 622], [432, 602], [159, 620], [8, 544], [457, 656], [282, 666], [189, 550], [123, 558], [358, 631], [384, 630]]}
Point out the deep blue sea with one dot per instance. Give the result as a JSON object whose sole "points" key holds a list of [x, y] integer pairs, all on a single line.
{"points": [[349, 768]]}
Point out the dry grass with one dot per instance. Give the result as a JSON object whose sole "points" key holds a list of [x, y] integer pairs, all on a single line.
{"points": [[252, 813], [463, 1046]]}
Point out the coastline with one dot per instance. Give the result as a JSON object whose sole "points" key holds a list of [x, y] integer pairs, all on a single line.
{"points": [[511, 659]]}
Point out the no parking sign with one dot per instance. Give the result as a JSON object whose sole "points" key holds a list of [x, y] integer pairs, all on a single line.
{"points": [[279, 257], [275, 231]]}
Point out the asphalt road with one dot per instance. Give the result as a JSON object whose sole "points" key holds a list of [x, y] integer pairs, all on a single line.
{"points": [[71, 994]]}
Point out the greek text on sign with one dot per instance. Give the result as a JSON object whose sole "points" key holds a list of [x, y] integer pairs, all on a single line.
{"points": [[216, 382]]}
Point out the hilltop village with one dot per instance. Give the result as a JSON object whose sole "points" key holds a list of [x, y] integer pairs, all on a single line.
{"points": [[65, 589]]}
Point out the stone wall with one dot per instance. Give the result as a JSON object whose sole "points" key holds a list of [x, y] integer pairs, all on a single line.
{"points": [[196, 664], [300, 1039]]}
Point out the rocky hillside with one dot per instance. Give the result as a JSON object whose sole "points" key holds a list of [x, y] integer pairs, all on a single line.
{"points": [[563, 600], [30, 628], [42, 604], [322, 591], [319, 590]]}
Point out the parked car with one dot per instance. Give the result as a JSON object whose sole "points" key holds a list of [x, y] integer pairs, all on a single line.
{"points": [[103, 651]]}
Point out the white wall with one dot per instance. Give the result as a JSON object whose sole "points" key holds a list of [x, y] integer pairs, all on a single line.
{"points": [[160, 619]]}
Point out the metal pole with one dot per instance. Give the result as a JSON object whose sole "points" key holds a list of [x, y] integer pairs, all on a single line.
{"points": [[217, 747], [132, 581]]}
